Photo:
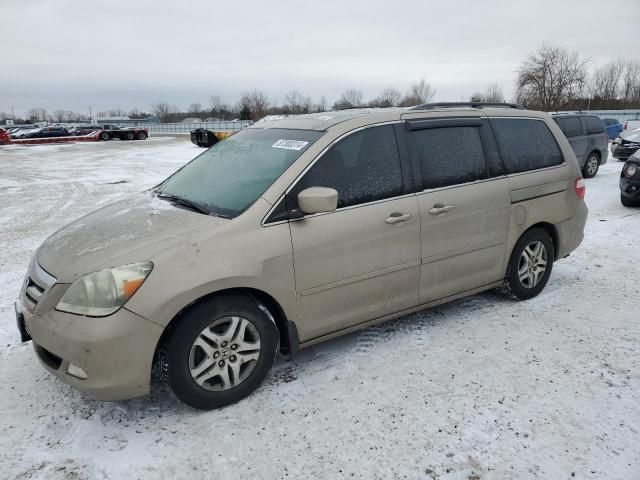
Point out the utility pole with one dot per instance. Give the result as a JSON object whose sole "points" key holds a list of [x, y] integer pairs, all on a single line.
{"points": [[90, 113], [13, 117]]}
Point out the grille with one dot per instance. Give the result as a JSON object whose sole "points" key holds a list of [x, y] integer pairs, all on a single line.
{"points": [[33, 292], [37, 285]]}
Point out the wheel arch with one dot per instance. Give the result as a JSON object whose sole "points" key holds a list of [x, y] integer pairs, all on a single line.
{"points": [[287, 330], [551, 229], [598, 154]]}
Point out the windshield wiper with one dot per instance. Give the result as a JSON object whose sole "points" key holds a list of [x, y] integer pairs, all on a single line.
{"points": [[183, 201]]}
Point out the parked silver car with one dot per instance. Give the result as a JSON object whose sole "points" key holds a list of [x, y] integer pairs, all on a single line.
{"points": [[296, 230]]}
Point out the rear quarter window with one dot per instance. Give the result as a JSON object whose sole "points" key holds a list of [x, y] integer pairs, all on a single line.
{"points": [[593, 125], [571, 126], [526, 144]]}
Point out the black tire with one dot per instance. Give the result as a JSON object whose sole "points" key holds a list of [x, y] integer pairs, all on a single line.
{"points": [[129, 136], [104, 136], [513, 286], [591, 166], [629, 202], [142, 136], [192, 324]]}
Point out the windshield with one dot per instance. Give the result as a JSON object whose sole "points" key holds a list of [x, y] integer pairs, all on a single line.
{"points": [[231, 175]]}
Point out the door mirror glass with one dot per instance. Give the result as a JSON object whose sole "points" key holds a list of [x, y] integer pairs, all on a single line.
{"points": [[317, 200]]}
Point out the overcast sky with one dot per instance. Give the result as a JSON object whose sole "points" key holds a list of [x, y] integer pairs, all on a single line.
{"points": [[70, 55]]}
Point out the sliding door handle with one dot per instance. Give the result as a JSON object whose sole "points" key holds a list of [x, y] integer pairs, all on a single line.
{"points": [[397, 218], [439, 209]]}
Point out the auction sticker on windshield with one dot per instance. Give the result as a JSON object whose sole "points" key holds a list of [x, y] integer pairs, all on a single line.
{"points": [[290, 144]]}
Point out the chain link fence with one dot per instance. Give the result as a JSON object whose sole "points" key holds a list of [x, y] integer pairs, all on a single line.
{"points": [[169, 128]]}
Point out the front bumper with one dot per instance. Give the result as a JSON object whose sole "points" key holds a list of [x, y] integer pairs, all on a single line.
{"points": [[115, 353], [623, 153], [630, 187]]}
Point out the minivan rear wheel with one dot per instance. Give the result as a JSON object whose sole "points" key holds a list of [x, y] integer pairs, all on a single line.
{"points": [[591, 165], [530, 265], [221, 351]]}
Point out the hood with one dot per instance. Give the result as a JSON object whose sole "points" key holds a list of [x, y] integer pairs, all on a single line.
{"points": [[128, 231]]}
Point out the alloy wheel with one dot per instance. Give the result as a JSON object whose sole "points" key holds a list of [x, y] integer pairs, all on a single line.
{"points": [[592, 165], [532, 264], [224, 354]]}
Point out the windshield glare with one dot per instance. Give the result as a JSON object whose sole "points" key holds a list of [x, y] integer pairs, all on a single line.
{"points": [[231, 175]]}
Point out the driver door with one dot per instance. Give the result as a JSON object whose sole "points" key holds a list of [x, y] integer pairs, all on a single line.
{"points": [[361, 261]]}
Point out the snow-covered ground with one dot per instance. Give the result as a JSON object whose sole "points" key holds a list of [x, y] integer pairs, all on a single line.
{"points": [[483, 388]]}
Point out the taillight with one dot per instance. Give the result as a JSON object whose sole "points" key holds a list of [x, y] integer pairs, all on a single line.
{"points": [[580, 187], [625, 125]]}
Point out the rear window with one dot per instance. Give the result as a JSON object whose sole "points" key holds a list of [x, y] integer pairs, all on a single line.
{"points": [[593, 124], [571, 126], [526, 144]]}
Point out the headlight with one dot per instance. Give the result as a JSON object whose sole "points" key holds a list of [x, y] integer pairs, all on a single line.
{"points": [[630, 170], [101, 293]]}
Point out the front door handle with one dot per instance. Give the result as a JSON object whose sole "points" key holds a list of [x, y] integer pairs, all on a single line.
{"points": [[439, 209], [397, 217]]}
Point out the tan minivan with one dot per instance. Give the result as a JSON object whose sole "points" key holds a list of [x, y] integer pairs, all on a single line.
{"points": [[295, 230]]}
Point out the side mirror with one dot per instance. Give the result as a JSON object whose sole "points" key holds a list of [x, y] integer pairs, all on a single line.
{"points": [[317, 200]]}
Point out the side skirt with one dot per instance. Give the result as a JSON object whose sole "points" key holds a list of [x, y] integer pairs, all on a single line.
{"points": [[401, 313]]}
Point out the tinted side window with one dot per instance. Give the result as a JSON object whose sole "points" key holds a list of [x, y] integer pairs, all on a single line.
{"points": [[571, 126], [363, 167], [525, 144], [448, 156], [593, 124]]}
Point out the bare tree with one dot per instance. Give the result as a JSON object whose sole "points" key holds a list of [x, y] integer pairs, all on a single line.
{"points": [[423, 91], [550, 78], [162, 110], [295, 102], [59, 115], [389, 97], [218, 108], [493, 93], [350, 98], [419, 92], [253, 104], [37, 114], [117, 112], [321, 106], [216, 104], [630, 89], [606, 81], [195, 108]]}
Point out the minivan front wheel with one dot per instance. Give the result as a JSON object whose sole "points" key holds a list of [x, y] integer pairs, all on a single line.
{"points": [[591, 166], [530, 265], [221, 351]]}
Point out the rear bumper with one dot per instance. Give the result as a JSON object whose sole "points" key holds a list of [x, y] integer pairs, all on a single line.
{"points": [[571, 231], [115, 353]]}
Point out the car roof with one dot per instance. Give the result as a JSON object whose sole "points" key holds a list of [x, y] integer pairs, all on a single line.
{"points": [[574, 114], [323, 121]]}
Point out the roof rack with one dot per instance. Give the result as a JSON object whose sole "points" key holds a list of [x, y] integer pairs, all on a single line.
{"points": [[432, 106]]}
